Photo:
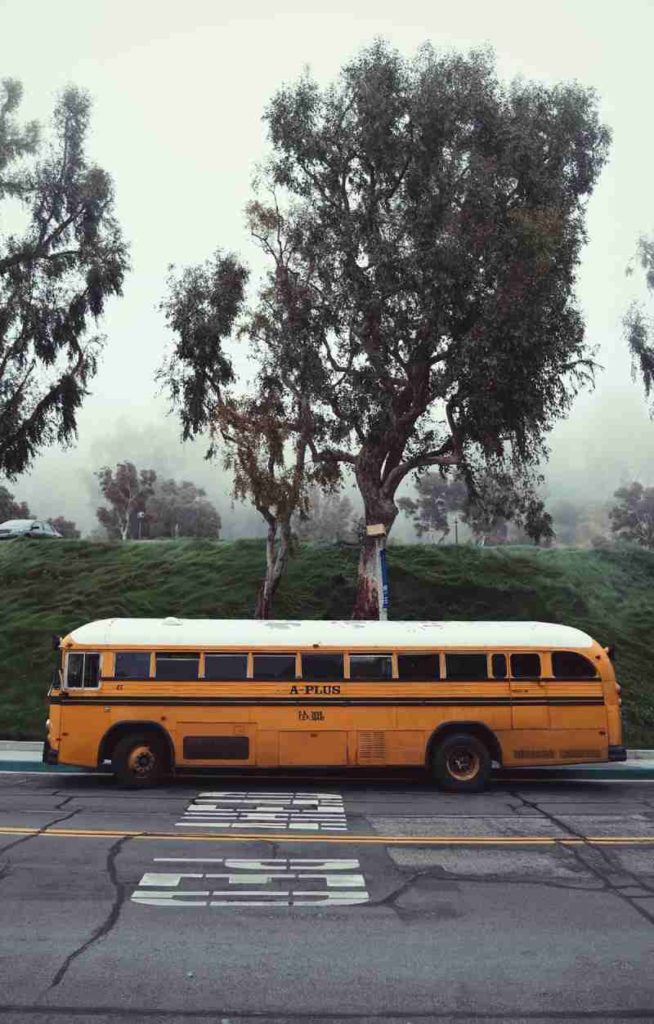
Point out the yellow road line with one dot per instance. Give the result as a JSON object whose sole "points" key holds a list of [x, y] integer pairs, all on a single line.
{"points": [[370, 840]]}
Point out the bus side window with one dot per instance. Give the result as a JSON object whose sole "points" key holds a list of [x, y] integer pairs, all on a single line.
{"points": [[413, 667], [132, 665], [371, 666], [82, 670], [219, 667], [466, 667], [498, 662], [175, 666], [318, 668], [570, 665], [273, 667], [525, 666]]}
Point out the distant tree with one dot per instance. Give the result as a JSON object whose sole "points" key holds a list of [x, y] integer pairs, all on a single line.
{"points": [[180, 510], [499, 499], [126, 492], [435, 498], [632, 518], [11, 509], [56, 274], [66, 527], [639, 326], [263, 438], [329, 517], [269, 463], [567, 516]]}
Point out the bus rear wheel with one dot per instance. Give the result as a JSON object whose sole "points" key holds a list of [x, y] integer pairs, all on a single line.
{"points": [[461, 763], [139, 761]]}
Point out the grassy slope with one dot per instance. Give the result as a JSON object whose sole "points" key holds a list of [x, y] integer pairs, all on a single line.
{"points": [[48, 587]]}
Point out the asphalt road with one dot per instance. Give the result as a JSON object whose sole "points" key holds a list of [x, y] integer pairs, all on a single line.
{"points": [[325, 899]]}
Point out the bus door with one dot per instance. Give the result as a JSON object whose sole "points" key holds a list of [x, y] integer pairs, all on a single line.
{"points": [[529, 699]]}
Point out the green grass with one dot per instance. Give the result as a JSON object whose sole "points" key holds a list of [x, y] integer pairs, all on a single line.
{"points": [[52, 587]]}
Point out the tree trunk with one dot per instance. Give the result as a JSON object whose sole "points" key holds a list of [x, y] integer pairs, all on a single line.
{"points": [[277, 551], [378, 510]]}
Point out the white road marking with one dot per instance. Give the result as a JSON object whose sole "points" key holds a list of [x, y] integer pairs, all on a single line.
{"points": [[311, 812], [332, 882]]}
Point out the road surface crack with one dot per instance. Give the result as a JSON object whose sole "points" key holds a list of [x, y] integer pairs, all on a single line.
{"points": [[38, 832], [120, 893], [592, 854]]}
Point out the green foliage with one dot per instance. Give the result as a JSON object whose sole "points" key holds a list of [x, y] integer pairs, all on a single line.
{"points": [[56, 274], [52, 588], [435, 497], [180, 510], [126, 490], [12, 509], [639, 326], [435, 224], [632, 518]]}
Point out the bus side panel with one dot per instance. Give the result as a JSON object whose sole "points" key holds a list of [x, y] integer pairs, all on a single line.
{"points": [[82, 728], [579, 731]]}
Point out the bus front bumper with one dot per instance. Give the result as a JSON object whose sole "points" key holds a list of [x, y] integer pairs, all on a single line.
{"points": [[50, 756], [617, 753]]}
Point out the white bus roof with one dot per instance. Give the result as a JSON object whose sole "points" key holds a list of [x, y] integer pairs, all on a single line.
{"points": [[284, 634]]}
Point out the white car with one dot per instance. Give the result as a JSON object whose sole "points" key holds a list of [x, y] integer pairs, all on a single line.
{"points": [[27, 528]]}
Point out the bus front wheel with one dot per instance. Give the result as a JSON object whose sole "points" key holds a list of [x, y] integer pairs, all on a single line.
{"points": [[139, 760], [461, 763]]}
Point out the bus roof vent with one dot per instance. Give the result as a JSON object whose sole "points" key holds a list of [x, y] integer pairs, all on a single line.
{"points": [[172, 620]]}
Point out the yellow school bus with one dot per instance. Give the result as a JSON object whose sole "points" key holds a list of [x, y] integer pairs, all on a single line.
{"points": [[153, 696]]}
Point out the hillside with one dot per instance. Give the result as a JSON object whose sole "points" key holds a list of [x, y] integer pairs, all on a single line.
{"points": [[51, 587]]}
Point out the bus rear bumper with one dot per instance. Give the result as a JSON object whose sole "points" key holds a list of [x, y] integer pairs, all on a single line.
{"points": [[617, 753], [50, 756]]}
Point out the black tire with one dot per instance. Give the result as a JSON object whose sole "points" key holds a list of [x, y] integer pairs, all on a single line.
{"points": [[139, 760], [461, 763]]}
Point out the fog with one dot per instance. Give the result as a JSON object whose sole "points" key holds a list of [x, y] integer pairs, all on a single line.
{"points": [[179, 90]]}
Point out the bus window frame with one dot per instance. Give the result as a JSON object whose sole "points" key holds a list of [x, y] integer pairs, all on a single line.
{"points": [[98, 655]]}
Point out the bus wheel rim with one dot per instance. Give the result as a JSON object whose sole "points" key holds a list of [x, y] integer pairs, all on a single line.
{"points": [[463, 764], [141, 761]]}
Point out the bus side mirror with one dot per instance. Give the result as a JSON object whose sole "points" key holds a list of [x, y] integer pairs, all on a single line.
{"points": [[56, 642], [610, 650]]}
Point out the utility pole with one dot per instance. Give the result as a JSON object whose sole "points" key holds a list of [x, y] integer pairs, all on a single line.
{"points": [[378, 531]]}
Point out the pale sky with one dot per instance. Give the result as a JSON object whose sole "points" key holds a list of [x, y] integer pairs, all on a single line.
{"points": [[179, 89]]}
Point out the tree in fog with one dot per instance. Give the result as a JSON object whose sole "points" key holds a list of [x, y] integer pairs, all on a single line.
{"points": [[422, 224], [329, 517], [126, 491], [58, 265], [632, 517], [499, 499], [180, 510], [435, 498], [66, 527], [435, 217], [639, 325], [264, 437], [12, 509]]}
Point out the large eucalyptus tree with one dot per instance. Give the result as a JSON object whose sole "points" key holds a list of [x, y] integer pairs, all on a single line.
{"points": [[61, 256], [423, 224]]}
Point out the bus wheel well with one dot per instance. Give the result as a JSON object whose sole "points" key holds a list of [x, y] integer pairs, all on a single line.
{"points": [[121, 729], [478, 729]]}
